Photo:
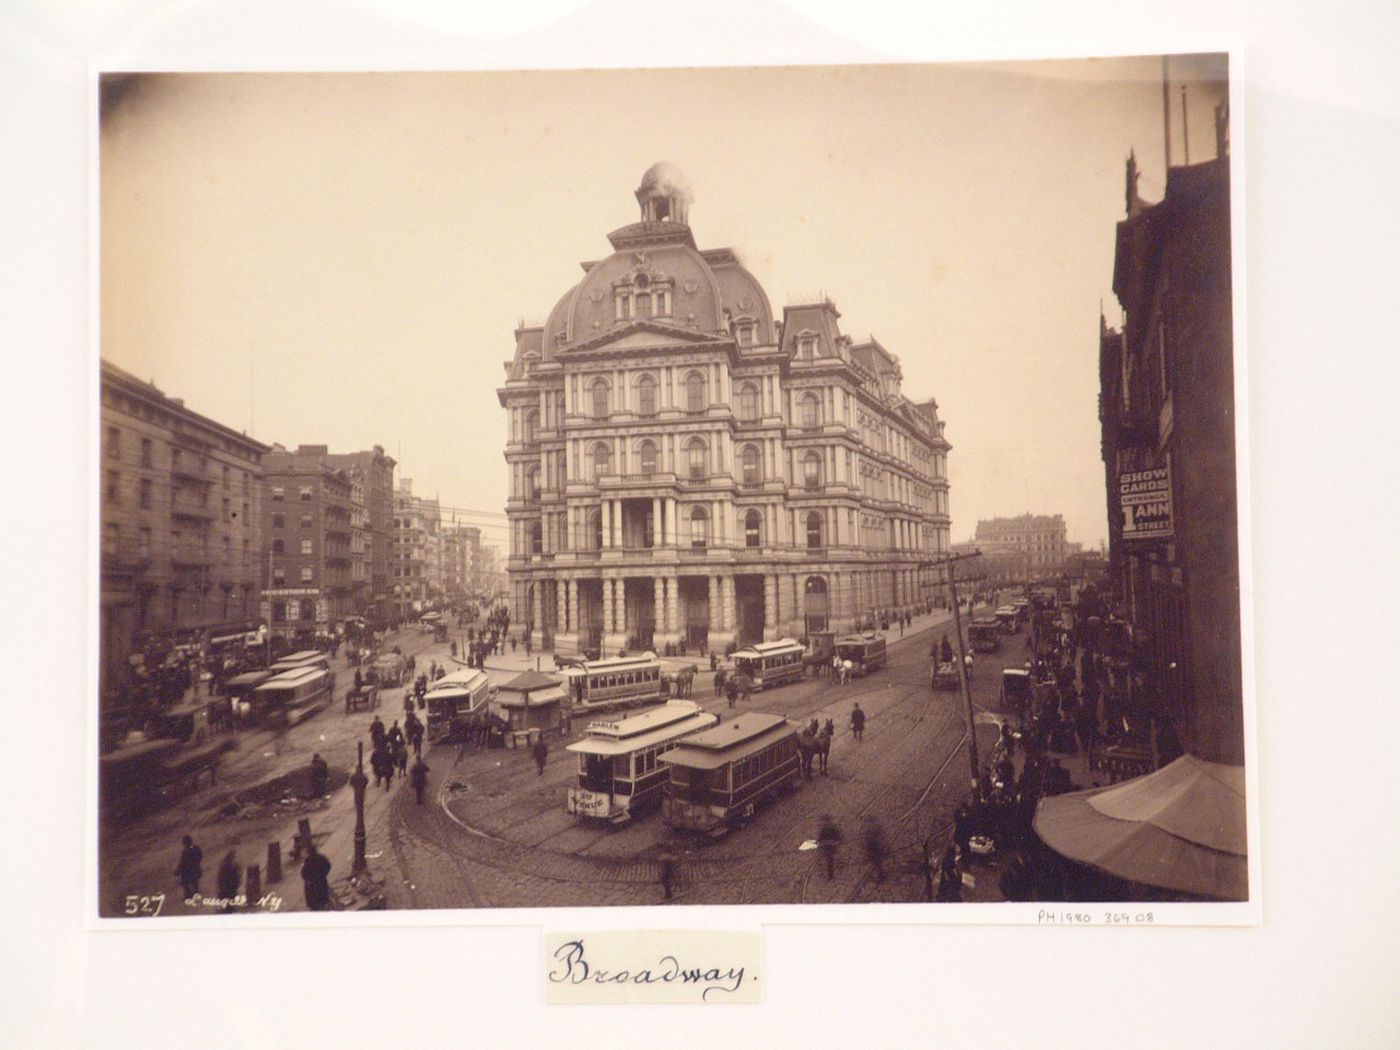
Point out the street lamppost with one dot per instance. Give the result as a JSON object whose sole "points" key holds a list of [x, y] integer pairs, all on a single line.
{"points": [[358, 783]]}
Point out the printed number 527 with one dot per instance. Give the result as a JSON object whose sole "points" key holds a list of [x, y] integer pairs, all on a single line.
{"points": [[142, 905]]}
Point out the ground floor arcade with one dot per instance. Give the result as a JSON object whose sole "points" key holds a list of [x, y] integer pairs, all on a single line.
{"points": [[683, 609]]}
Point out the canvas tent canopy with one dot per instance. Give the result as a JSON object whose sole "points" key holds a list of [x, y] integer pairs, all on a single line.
{"points": [[1181, 828]]}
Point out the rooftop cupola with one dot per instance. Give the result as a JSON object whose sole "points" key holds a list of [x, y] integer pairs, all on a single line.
{"points": [[664, 195]]}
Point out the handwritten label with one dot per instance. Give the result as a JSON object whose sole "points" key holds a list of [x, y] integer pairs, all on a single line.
{"points": [[653, 966]]}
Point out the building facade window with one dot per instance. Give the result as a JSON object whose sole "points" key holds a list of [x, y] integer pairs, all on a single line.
{"points": [[814, 530], [751, 465], [695, 454], [279, 546], [646, 457], [304, 493], [145, 493], [811, 412], [279, 521], [748, 403], [532, 425], [598, 395], [536, 538], [306, 547], [595, 530], [812, 471], [699, 528], [602, 460], [753, 523], [278, 493], [646, 396], [146, 452], [306, 521], [695, 400]]}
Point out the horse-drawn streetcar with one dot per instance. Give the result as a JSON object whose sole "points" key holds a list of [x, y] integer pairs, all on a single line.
{"points": [[618, 772], [719, 777], [865, 652], [771, 663], [625, 681]]}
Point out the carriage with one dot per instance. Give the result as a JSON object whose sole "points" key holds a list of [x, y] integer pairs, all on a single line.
{"points": [[984, 636], [1015, 690], [718, 778], [618, 772], [945, 677]]}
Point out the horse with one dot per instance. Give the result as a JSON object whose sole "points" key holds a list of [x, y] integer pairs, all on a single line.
{"points": [[815, 747]]}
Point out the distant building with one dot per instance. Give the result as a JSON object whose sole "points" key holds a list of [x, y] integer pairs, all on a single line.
{"points": [[687, 468], [181, 541], [1167, 412], [416, 568], [308, 522], [1026, 546], [372, 473]]}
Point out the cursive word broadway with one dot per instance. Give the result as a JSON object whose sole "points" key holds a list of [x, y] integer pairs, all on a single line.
{"points": [[574, 968]]}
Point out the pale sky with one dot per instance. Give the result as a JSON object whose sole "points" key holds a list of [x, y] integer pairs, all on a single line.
{"points": [[342, 259]]}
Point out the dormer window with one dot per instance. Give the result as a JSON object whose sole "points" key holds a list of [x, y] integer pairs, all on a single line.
{"points": [[743, 333], [806, 347], [644, 297]]}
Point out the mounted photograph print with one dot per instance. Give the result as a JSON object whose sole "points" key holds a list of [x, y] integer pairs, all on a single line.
{"points": [[804, 485]]}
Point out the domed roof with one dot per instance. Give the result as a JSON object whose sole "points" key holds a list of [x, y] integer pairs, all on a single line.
{"points": [[695, 294]]}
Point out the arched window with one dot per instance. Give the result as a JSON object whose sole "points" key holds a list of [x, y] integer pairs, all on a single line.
{"points": [[646, 456], [699, 528], [646, 396], [753, 525], [595, 530], [598, 394], [814, 603], [536, 538], [812, 470], [751, 465], [811, 411], [602, 460], [748, 402], [814, 530], [532, 425], [559, 410], [695, 399], [695, 454]]}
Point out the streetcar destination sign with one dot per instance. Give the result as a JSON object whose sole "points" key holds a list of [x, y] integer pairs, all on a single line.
{"points": [[1145, 501]]}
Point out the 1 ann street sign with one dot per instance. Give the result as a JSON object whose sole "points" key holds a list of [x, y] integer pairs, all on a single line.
{"points": [[1145, 498]]}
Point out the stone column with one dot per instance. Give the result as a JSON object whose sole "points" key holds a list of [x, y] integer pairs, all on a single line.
{"points": [[561, 613], [658, 611], [770, 604], [656, 527]]}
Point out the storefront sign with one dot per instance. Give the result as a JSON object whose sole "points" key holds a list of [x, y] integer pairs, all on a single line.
{"points": [[1145, 500]]}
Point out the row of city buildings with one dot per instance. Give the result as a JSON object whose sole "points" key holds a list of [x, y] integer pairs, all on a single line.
{"points": [[208, 535], [1017, 550], [686, 468]]}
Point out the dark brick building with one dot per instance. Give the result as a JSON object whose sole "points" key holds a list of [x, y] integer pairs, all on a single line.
{"points": [[1168, 427]]}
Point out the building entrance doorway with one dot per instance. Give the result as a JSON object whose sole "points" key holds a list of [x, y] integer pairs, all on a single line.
{"points": [[748, 608], [814, 604]]}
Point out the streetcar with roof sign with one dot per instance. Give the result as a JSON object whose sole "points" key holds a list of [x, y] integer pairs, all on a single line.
{"points": [[620, 682], [618, 772], [720, 777], [771, 663], [455, 701]]}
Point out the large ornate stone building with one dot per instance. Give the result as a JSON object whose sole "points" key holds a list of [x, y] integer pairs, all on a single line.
{"points": [[686, 468]]}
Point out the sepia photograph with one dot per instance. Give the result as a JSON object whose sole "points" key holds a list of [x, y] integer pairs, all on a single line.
{"points": [[788, 485]]}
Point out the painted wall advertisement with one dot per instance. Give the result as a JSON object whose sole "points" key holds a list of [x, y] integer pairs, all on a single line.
{"points": [[1145, 501]]}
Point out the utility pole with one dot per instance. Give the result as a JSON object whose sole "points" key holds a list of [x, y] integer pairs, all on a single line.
{"points": [[949, 562]]}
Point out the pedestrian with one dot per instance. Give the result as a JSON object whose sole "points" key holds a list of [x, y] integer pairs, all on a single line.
{"points": [[395, 736], [828, 838], [190, 868], [528, 646], [359, 680], [949, 879], [858, 722], [320, 776], [720, 677], [400, 758], [383, 765], [229, 877], [512, 645], [540, 751], [945, 650], [315, 879], [666, 864], [731, 691], [419, 779], [453, 649], [377, 734], [877, 850]]}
